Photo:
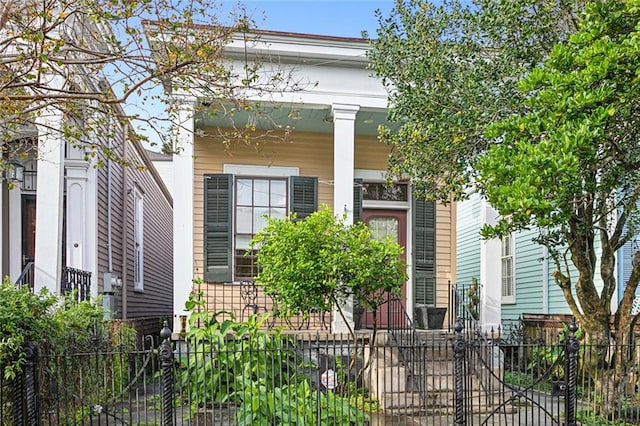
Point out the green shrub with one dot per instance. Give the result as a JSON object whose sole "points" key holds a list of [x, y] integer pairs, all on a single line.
{"points": [[255, 368], [24, 317]]}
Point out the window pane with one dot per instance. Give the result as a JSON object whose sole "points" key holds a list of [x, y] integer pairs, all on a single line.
{"points": [[260, 192], [242, 242], [278, 193], [244, 221], [383, 227], [278, 213], [259, 221], [244, 192]]}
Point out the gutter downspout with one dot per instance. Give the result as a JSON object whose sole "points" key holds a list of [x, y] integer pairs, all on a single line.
{"points": [[125, 185]]}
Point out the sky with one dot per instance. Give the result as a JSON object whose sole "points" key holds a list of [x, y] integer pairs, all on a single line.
{"points": [[345, 18]]}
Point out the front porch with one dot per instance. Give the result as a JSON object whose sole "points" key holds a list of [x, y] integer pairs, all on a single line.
{"points": [[243, 299], [73, 281]]}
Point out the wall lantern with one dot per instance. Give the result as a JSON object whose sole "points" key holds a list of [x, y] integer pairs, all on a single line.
{"points": [[14, 171]]}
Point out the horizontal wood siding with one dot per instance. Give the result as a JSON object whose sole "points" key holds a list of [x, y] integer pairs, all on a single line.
{"points": [[445, 249], [468, 241], [118, 214], [156, 300], [312, 153]]}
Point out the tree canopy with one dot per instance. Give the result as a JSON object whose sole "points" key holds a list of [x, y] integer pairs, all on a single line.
{"points": [[94, 62], [535, 105], [451, 68], [571, 164]]}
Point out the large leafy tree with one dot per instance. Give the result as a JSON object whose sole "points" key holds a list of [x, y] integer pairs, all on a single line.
{"points": [[451, 68], [535, 105], [571, 164], [102, 62]]}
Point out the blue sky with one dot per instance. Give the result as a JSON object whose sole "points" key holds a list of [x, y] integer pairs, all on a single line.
{"points": [[346, 18]]}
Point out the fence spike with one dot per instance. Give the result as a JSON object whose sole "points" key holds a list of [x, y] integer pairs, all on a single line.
{"points": [[165, 354]]}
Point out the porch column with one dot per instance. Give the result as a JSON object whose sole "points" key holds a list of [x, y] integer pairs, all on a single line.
{"points": [[344, 126], [50, 184], [183, 169], [81, 215], [490, 273]]}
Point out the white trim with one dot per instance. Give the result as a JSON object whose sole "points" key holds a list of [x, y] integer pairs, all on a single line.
{"points": [[138, 240], [266, 171], [14, 199], [184, 266], [369, 175], [390, 205], [490, 272], [511, 299]]}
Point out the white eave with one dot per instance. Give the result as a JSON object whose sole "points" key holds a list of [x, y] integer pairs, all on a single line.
{"points": [[306, 48]]}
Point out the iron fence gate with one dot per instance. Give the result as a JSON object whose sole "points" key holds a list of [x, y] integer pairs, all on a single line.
{"points": [[462, 377]]}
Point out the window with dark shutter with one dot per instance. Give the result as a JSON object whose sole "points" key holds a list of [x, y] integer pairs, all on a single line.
{"points": [[303, 195], [217, 228], [424, 251], [357, 200]]}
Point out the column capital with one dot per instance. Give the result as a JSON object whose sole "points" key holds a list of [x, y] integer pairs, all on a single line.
{"points": [[344, 111]]}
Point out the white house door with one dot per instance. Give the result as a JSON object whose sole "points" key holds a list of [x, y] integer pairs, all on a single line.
{"points": [[388, 223]]}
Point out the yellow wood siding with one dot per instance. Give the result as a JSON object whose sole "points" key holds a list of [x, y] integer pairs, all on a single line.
{"points": [[312, 153], [445, 251]]}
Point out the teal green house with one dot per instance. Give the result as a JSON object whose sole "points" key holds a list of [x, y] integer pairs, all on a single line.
{"points": [[514, 273]]}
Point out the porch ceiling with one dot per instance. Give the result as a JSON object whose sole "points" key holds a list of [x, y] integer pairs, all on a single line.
{"points": [[316, 119]]}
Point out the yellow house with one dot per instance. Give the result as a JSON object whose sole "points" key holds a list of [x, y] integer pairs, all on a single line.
{"points": [[316, 144]]}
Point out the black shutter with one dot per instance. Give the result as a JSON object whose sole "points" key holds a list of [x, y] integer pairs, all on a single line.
{"points": [[357, 200], [424, 251], [218, 212], [303, 195]]}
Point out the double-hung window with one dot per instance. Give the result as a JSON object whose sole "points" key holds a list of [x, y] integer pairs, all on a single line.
{"points": [[508, 275], [235, 209], [256, 199]]}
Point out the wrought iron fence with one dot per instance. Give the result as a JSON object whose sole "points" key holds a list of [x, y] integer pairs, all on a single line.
{"points": [[404, 377]]}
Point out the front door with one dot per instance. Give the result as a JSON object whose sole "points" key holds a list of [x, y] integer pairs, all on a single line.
{"points": [[28, 229], [388, 223]]}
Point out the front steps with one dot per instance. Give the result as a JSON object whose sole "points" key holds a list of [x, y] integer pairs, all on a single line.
{"points": [[413, 371]]}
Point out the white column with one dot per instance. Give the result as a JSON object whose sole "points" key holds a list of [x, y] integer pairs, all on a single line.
{"points": [[183, 170], [344, 127], [490, 273], [49, 196], [81, 249]]}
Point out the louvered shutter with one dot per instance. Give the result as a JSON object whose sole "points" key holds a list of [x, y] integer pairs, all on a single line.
{"points": [[303, 195], [357, 200], [218, 211], [424, 251]]}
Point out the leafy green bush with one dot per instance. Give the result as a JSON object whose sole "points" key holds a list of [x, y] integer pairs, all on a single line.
{"points": [[24, 317], [255, 368], [314, 264]]}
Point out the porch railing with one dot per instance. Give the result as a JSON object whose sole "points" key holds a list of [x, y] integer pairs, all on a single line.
{"points": [[77, 282], [26, 277]]}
